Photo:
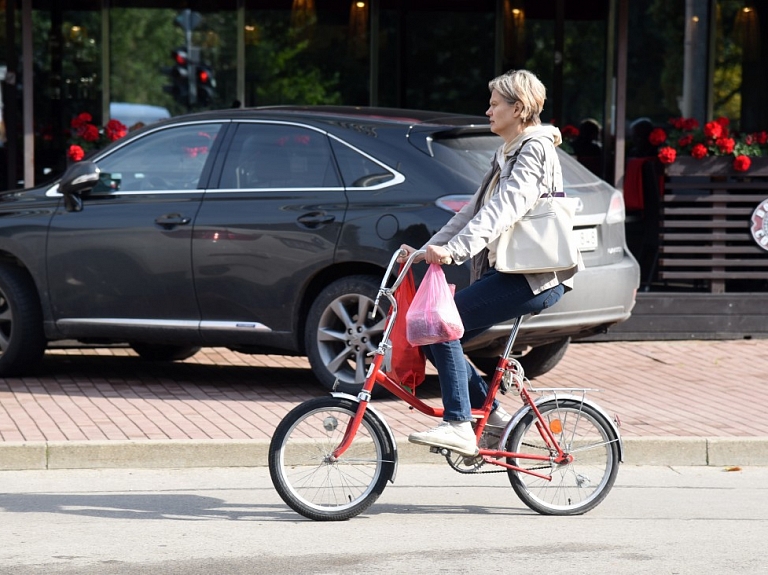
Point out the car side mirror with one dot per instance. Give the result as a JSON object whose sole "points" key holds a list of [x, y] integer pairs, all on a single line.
{"points": [[78, 178]]}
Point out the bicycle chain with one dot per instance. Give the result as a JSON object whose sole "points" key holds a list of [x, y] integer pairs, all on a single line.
{"points": [[473, 470], [480, 462]]}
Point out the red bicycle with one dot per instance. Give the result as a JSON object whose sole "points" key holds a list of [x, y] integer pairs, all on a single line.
{"points": [[331, 457]]}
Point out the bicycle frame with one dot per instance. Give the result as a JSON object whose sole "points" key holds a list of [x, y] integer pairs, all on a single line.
{"points": [[508, 370]]}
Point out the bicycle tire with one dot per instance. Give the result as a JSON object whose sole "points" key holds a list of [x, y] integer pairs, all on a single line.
{"points": [[575, 487], [329, 491]]}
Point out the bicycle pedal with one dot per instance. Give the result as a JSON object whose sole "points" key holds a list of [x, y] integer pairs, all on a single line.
{"points": [[473, 461], [440, 450]]}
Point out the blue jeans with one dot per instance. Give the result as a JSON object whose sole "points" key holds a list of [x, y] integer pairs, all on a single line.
{"points": [[494, 298]]}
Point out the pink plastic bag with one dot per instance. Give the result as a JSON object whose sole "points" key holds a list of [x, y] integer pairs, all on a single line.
{"points": [[433, 317]]}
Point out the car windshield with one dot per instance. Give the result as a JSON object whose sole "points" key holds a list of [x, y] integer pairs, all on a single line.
{"points": [[470, 154]]}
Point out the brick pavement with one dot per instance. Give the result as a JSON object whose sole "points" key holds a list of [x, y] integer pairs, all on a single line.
{"points": [[704, 389]]}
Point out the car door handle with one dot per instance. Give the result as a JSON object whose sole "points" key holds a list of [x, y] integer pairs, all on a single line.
{"points": [[315, 219], [172, 220]]}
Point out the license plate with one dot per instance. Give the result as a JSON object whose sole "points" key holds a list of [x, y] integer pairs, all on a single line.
{"points": [[586, 239]]}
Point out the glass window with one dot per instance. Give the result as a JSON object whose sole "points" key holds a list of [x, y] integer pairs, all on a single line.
{"points": [[309, 52], [357, 171], [740, 77], [266, 156], [170, 159], [437, 57], [655, 60]]}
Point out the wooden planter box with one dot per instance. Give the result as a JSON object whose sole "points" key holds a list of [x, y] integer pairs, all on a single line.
{"points": [[717, 166]]}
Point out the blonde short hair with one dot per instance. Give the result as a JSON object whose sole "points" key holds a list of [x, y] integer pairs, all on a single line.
{"points": [[524, 87]]}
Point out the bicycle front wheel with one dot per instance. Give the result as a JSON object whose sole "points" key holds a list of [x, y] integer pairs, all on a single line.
{"points": [[305, 477], [575, 487]]}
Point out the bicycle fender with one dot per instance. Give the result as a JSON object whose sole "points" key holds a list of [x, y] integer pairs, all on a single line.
{"points": [[374, 412], [523, 411]]}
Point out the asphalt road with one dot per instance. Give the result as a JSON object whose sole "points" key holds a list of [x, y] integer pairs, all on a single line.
{"points": [[657, 520]]}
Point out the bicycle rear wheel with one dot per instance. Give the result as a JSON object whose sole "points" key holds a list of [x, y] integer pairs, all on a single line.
{"points": [[575, 487], [312, 485]]}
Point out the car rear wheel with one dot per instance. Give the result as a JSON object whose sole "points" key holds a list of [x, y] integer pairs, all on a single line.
{"points": [[537, 361], [22, 340], [340, 333], [164, 352]]}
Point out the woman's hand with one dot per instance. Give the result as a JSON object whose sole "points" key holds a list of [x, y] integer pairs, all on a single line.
{"points": [[438, 255], [408, 251]]}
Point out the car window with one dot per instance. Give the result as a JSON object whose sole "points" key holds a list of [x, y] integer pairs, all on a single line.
{"points": [[357, 171], [471, 154], [264, 156], [168, 159], [575, 174]]}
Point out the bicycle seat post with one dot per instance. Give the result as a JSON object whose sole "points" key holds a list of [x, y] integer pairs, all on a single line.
{"points": [[512, 337]]}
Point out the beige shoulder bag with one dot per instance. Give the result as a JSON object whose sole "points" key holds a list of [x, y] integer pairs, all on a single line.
{"points": [[543, 239]]}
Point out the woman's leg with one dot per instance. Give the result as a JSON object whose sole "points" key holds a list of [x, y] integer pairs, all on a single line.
{"points": [[495, 298], [492, 299]]}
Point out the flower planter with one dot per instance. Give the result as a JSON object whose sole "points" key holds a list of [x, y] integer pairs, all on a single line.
{"points": [[716, 166]]}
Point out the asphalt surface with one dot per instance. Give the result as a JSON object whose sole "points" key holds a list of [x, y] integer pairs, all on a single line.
{"points": [[679, 403], [431, 520]]}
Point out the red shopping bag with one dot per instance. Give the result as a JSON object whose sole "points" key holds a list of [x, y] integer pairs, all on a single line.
{"points": [[408, 363], [433, 316]]}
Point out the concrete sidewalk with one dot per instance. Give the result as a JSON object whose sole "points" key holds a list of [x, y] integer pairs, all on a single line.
{"points": [[680, 403]]}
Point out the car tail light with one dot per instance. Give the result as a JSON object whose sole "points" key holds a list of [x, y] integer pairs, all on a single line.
{"points": [[615, 213], [453, 204]]}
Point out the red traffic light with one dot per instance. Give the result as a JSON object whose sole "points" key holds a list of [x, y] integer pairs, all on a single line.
{"points": [[203, 76], [179, 56]]}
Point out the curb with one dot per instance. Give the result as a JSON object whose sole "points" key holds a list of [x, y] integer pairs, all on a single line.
{"points": [[152, 454]]}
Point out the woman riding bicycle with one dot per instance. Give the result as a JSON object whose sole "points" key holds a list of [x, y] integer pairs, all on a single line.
{"points": [[524, 168]]}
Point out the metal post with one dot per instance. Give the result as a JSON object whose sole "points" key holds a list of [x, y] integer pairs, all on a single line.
{"points": [[106, 96], [620, 115], [373, 96], [10, 102], [28, 101], [240, 84]]}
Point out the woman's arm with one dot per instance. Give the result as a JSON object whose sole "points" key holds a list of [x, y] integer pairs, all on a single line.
{"points": [[518, 192]]}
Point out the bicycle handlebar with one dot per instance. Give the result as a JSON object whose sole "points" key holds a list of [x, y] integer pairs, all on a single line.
{"points": [[383, 289]]}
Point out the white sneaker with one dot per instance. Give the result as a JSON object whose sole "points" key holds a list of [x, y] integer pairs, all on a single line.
{"points": [[498, 418], [457, 436]]}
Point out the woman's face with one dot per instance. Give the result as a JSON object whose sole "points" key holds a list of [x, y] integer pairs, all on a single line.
{"points": [[504, 117]]}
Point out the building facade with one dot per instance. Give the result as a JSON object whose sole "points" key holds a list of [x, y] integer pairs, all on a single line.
{"points": [[611, 67]]}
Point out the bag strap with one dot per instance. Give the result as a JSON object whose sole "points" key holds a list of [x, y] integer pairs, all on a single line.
{"points": [[552, 192]]}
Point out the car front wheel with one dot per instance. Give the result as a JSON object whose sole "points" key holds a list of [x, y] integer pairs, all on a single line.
{"points": [[536, 361], [22, 340], [340, 333]]}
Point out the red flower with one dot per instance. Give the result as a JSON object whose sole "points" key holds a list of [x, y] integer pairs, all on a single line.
{"points": [[570, 131], [762, 138], [690, 124], [724, 122], [75, 153], [667, 155], [79, 121], [741, 163], [713, 130], [115, 130], [677, 123], [90, 133], [699, 151], [725, 145], [657, 137], [686, 140]]}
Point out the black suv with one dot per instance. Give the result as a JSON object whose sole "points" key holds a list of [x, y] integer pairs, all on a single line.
{"points": [[268, 231]]}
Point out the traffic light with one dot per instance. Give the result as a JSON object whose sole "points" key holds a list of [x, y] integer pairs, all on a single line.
{"points": [[180, 77], [206, 85]]}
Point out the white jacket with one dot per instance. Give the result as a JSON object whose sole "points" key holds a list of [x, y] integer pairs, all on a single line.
{"points": [[521, 183]]}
